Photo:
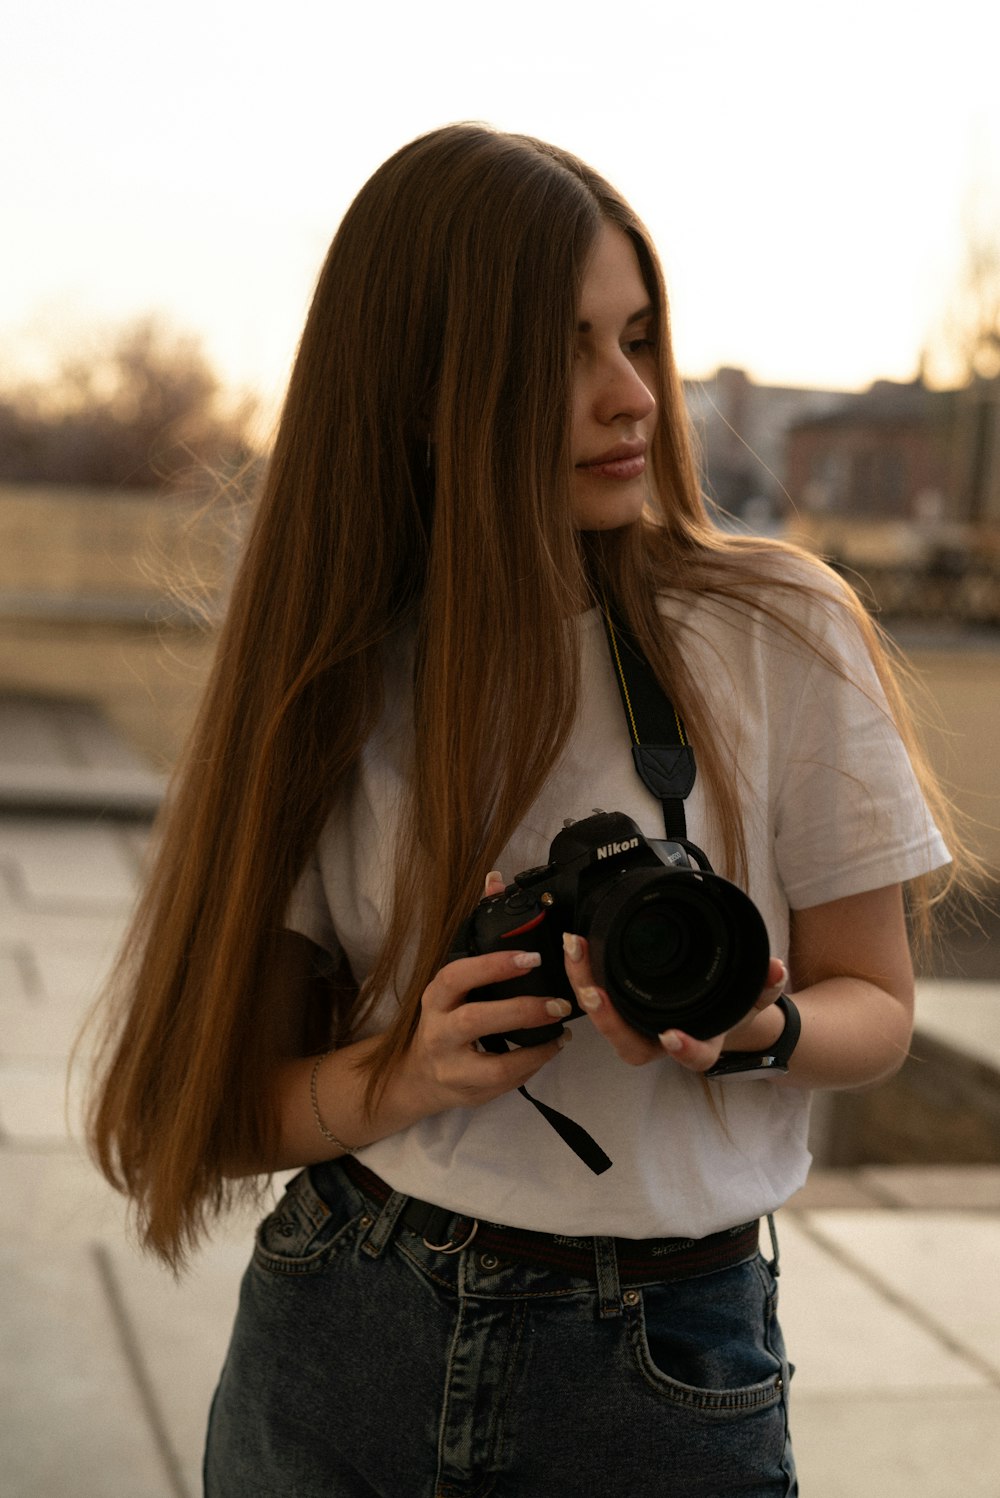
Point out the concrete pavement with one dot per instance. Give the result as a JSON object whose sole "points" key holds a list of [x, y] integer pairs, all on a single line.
{"points": [[890, 1283]]}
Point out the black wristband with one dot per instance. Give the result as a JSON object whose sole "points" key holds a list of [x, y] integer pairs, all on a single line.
{"points": [[770, 1059]]}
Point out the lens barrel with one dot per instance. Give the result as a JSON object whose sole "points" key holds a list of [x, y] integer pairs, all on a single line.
{"points": [[677, 949]]}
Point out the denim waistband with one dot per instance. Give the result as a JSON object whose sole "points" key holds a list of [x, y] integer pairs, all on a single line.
{"points": [[639, 1259]]}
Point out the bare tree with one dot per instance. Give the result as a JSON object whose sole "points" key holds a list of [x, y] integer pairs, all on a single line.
{"points": [[965, 353], [140, 408], [968, 344]]}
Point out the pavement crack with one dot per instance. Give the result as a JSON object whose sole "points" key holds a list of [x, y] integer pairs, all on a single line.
{"points": [[911, 1308], [138, 1370]]}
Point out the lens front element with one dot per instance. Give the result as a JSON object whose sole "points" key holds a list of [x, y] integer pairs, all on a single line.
{"points": [[677, 948]]}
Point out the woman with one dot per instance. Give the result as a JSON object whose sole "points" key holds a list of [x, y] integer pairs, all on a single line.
{"points": [[483, 453]]}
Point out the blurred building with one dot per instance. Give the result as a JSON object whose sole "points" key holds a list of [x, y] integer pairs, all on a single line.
{"points": [[886, 453], [901, 451], [742, 432], [898, 451]]}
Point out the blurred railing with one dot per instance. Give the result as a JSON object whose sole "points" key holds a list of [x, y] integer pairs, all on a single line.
{"points": [[949, 589]]}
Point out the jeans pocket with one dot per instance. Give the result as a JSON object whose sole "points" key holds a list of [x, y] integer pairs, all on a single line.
{"points": [[711, 1344], [306, 1229]]}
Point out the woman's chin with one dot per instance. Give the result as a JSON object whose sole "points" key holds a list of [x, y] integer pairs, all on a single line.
{"points": [[609, 511]]}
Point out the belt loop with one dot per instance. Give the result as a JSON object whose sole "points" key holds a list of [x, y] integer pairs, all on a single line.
{"points": [[378, 1235], [774, 1266], [609, 1290]]}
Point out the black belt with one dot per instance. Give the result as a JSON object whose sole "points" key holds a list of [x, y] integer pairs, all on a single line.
{"points": [[640, 1260]]}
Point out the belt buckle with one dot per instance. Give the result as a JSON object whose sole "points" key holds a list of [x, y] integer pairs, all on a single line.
{"points": [[451, 1247]]}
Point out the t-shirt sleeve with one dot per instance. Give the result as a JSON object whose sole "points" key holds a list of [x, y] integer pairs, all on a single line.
{"points": [[850, 814], [308, 909]]}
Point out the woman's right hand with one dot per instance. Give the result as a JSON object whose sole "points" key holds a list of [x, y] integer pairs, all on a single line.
{"points": [[444, 1063], [443, 1066]]}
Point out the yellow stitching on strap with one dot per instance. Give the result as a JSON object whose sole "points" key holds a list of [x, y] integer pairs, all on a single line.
{"points": [[621, 673], [680, 726], [621, 677]]}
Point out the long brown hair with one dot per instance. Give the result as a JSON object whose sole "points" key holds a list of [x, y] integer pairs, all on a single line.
{"points": [[420, 478]]}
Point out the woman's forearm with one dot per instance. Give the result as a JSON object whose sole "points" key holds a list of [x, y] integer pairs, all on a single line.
{"points": [[853, 983], [341, 1080], [441, 1068], [853, 1034]]}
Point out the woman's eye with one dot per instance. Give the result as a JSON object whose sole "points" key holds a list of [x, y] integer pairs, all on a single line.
{"points": [[637, 345]]}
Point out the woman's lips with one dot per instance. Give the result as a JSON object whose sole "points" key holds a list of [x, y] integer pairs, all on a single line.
{"points": [[628, 467]]}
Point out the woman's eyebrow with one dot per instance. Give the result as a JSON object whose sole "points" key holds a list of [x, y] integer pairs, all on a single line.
{"points": [[640, 316]]}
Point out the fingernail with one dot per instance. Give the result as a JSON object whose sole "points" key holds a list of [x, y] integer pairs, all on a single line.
{"points": [[494, 877], [527, 959], [558, 1008], [670, 1040], [590, 999], [784, 977], [572, 946]]}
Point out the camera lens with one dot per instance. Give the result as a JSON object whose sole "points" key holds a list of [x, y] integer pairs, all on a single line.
{"points": [[653, 943], [658, 941], [678, 948], [673, 942]]}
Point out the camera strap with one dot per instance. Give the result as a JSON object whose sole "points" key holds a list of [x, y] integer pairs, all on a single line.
{"points": [[662, 755], [665, 763], [583, 1145]]}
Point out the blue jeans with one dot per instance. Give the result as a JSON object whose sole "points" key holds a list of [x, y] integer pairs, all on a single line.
{"points": [[364, 1364]]}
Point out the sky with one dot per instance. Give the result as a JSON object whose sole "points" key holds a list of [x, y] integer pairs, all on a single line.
{"points": [[803, 167]]}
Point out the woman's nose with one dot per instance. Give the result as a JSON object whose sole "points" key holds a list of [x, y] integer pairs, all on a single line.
{"points": [[625, 395]]}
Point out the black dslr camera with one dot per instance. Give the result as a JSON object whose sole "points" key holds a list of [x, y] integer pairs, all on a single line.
{"points": [[673, 944]]}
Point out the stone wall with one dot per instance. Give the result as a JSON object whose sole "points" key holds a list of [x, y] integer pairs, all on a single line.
{"points": [[112, 598], [941, 1108]]}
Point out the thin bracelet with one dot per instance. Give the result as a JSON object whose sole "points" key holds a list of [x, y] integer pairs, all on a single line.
{"points": [[347, 1148]]}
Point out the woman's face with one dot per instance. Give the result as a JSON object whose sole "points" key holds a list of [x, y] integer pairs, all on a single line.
{"points": [[614, 387]]}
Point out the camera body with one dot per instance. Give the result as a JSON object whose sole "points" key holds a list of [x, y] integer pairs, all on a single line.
{"points": [[673, 944]]}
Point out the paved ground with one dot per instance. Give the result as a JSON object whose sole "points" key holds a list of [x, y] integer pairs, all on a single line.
{"points": [[890, 1287]]}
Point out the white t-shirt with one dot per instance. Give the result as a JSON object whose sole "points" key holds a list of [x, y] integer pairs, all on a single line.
{"points": [[831, 808]]}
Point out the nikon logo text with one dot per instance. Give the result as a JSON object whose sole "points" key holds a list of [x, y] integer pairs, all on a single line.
{"points": [[610, 849]]}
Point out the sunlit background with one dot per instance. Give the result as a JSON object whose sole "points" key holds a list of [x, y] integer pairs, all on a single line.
{"points": [[808, 171]]}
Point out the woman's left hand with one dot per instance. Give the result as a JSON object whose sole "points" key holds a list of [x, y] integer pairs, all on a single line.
{"points": [[757, 1029]]}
